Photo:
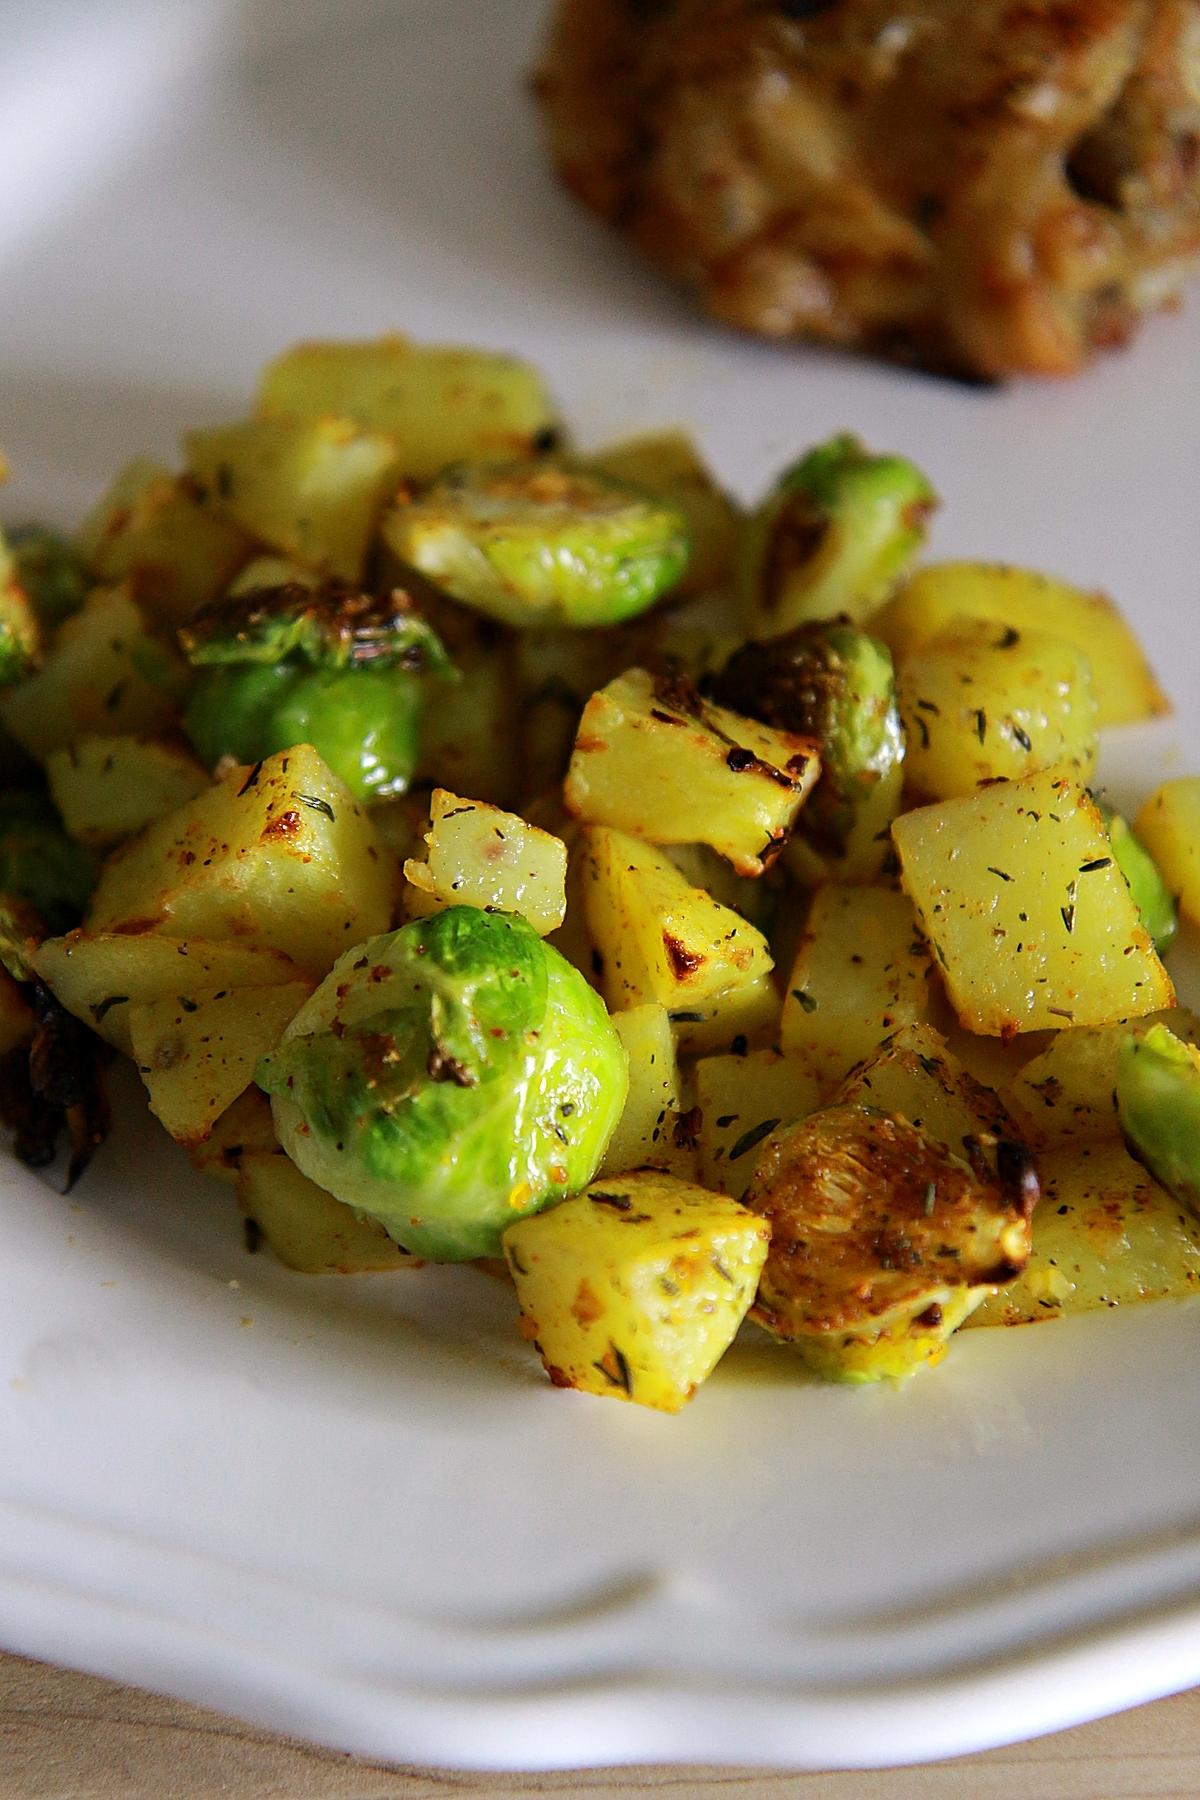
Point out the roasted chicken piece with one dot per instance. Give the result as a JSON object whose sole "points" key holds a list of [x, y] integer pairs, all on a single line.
{"points": [[981, 187]]}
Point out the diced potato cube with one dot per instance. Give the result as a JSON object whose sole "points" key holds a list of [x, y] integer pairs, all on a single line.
{"points": [[635, 1288], [152, 528], [1169, 827], [1104, 1234], [657, 938], [279, 855], [741, 1018], [1066, 1094], [307, 1228], [480, 856], [439, 403], [652, 1132], [668, 465], [247, 1125], [1030, 919], [106, 788], [862, 971], [916, 1077], [310, 488], [198, 1052], [99, 976], [742, 1099], [653, 759], [980, 701], [105, 675], [1125, 687]]}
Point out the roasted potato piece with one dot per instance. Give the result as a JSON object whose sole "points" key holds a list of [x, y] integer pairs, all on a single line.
{"points": [[1123, 682], [440, 404], [862, 970], [196, 1052], [652, 758], [152, 529], [635, 1288], [104, 675], [981, 701], [480, 856], [1067, 1093], [307, 1228], [278, 855], [915, 1076], [312, 489], [742, 1099], [244, 1126], [655, 1130], [99, 976], [1104, 1234], [1030, 919], [882, 1241], [108, 788], [657, 938]]}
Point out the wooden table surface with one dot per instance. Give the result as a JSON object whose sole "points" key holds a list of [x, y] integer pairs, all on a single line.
{"points": [[72, 1737]]}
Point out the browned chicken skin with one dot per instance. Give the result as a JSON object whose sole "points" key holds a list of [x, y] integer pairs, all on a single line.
{"points": [[978, 186]]}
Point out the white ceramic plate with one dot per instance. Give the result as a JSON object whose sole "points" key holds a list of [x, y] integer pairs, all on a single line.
{"points": [[354, 1509]]}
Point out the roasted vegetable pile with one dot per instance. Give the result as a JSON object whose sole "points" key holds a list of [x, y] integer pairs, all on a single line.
{"points": [[489, 850]]}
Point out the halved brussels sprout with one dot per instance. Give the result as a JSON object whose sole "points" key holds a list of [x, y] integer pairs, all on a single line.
{"points": [[1158, 1105], [333, 626], [1159, 913], [839, 529], [448, 1079], [835, 683], [882, 1241], [536, 544], [333, 667]]}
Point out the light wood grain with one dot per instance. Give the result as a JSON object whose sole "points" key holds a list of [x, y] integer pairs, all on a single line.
{"points": [[72, 1737]]}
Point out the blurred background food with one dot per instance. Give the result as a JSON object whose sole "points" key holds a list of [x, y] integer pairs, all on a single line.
{"points": [[980, 187]]}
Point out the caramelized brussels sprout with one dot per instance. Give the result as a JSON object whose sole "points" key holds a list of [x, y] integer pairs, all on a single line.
{"points": [[331, 666], [535, 544], [882, 1240], [835, 683], [1158, 1105], [448, 1079], [333, 626], [839, 529]]}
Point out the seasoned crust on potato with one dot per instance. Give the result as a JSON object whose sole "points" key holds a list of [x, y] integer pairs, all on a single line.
{"points": [[978, 186]]}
